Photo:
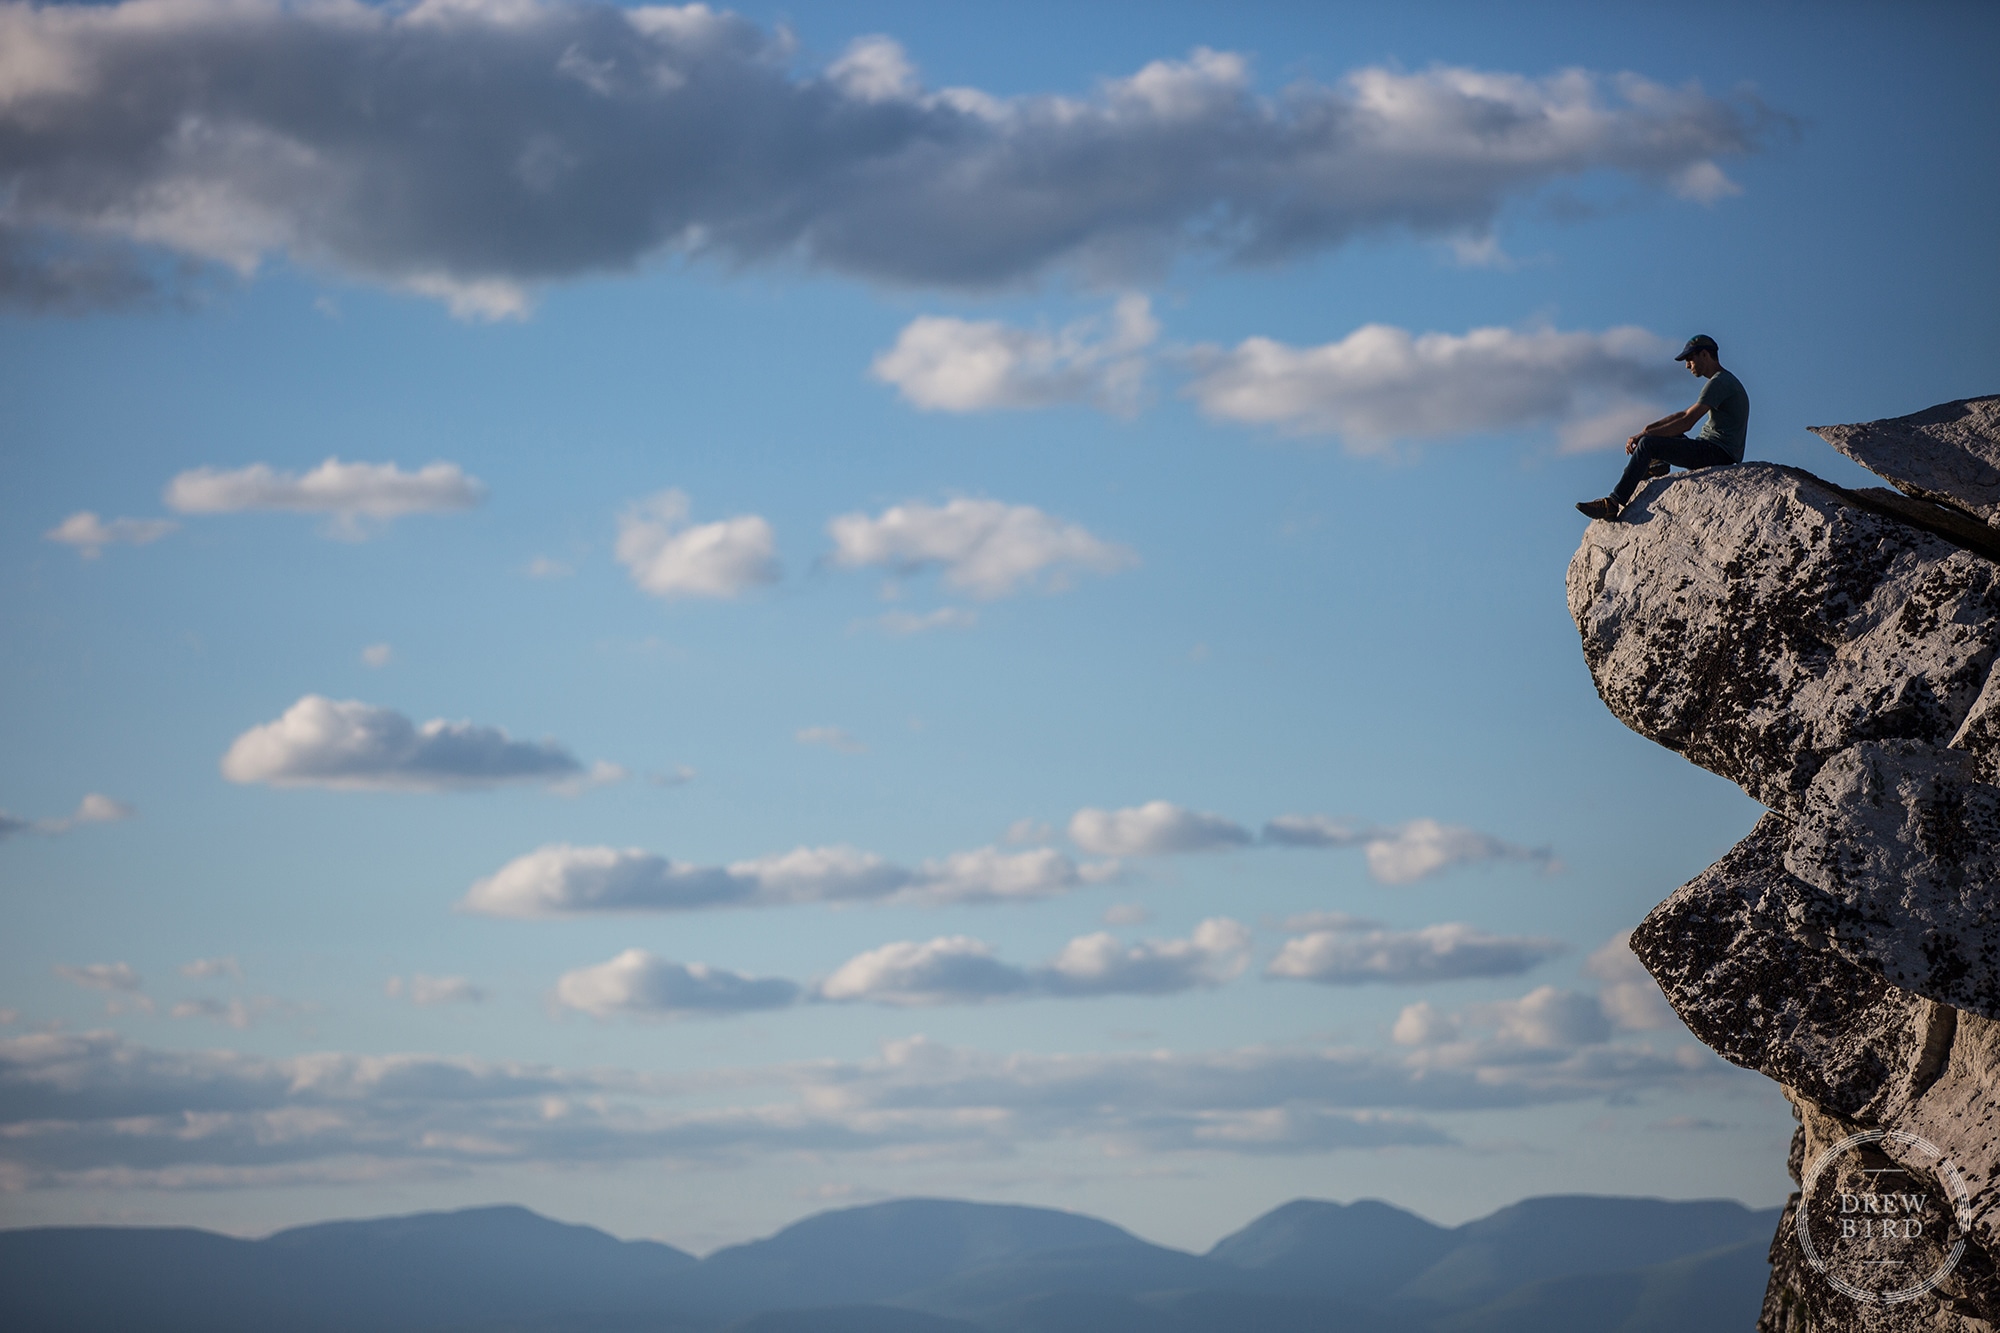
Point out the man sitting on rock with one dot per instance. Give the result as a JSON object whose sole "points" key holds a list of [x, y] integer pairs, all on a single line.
{"points": [[1664, 445]]}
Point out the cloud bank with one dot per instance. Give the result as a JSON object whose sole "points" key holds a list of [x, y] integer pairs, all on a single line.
{"points": [[564, 880], [94, 1109], [984, 547], [504, 146], [350, 745]]}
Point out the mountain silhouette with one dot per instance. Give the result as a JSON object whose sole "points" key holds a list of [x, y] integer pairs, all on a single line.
{"points": [[1571, 1264]]}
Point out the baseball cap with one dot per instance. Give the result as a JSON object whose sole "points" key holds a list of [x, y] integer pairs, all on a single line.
{"points": [[1701, 342]]}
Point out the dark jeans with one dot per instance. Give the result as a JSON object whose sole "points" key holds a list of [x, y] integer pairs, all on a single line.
{"points": [[1678, 450]]}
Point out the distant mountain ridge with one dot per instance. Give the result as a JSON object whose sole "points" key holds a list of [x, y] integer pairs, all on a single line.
{"points": [[1565, 1264]]}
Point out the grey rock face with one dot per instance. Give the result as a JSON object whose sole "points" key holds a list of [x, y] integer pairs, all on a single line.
{"points": [[1949, 453], [1902, 843], [1756, 621], [1800, 1299], [1746, 974], [1979, 734], [1832, 652], [1957, 1113]]}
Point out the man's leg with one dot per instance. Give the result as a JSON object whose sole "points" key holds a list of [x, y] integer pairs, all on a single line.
{"points": [[1675, 450]]}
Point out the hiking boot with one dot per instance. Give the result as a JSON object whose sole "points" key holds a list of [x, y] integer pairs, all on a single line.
{"points": [[1659, 467], [1607, 508]]}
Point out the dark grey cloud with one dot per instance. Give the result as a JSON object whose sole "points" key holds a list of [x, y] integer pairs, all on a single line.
{"points": [[466, 148]]}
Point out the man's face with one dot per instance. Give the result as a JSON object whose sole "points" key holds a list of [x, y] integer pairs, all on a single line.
{"points": [[1703, 364]]}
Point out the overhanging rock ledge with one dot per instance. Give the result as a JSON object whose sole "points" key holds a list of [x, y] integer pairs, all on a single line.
{"points": [[1832, 652]]}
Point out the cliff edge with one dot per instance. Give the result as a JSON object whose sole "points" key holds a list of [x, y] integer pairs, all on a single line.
{"points": [[1832, 652]]}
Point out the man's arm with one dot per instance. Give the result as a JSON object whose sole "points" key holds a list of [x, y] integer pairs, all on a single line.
{"points": [[1678, 424]]}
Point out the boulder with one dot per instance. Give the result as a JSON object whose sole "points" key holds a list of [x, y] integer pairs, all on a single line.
{"points": [[1758, 621], [1748, 974], [1802, 1299], [1949, 453], [1900, 842]]}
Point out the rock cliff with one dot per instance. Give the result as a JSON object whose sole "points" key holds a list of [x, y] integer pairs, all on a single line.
{"points": [[1833, 652]]}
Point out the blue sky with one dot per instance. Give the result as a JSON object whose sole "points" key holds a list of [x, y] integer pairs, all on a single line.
{"points": [[1202, 446]]}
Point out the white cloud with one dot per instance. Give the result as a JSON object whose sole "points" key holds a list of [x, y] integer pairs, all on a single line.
{"points": [[1423, 847], [985, 547], [958, 969], [714, 142], [1424, 1024], [1217, 951], [1157, 828], [1546, 1016], [321, 742], [561, 879], [1404, 853], [988, 875], [1127, 914], [118, 977], [833, 738], [209, 969], [668, 558], [353, 493], [1628, 992], [90, 534], [542, 567], [1545, 1020], [958, 365], [1380, 385], [953, 969], [94, 808], [377, 655], [1445, 952], [639, 984], [422, 989]]}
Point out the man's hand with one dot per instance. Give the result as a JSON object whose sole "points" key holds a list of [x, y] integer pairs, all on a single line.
{"points": [[1632, 442]]}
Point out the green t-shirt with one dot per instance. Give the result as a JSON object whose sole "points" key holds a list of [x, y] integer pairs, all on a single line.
{"points": [[1728, 405]]}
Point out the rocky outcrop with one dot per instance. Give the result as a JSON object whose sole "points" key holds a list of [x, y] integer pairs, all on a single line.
{"points": [[1949, 453], [1833, 653]]}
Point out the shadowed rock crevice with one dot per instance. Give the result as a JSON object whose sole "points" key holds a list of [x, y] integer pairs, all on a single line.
{"points": [[1832, 652]]}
